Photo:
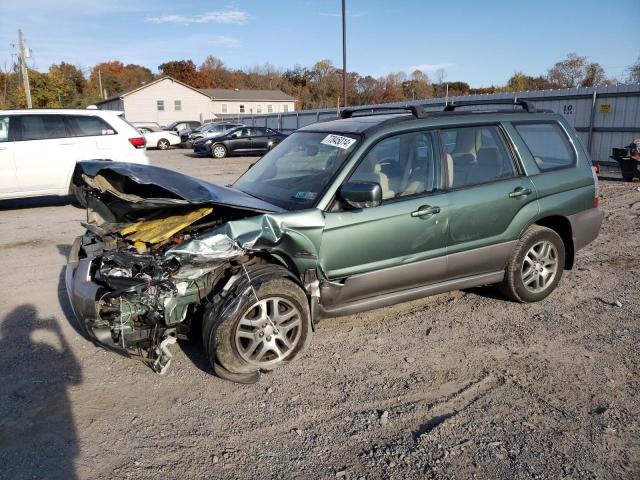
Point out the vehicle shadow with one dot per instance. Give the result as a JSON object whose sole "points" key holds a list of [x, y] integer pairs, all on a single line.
{"points": [[195, 155], [37, 432], [35, 202]]}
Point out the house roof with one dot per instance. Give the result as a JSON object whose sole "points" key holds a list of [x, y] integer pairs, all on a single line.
{"points": [[214, 93], [237, 94]]}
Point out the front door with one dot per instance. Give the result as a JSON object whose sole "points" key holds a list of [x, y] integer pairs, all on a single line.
{"points": [[487, 192], [240, 141], [402, 242], [259, 140]]}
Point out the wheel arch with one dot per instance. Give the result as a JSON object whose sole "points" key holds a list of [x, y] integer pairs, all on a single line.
{"points": [[562, 227]]}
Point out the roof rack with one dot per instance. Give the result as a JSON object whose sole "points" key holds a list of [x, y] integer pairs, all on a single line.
{"points": [[527, 106], [418, 111]]}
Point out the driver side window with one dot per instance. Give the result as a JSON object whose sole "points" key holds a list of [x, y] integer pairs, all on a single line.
{"points": [[403, 165]]}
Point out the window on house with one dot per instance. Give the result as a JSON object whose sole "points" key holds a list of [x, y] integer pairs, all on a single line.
{"points": [[160, 104], [241, 108], [270, 108], [177, 105], [259, 108], [224, 108]]}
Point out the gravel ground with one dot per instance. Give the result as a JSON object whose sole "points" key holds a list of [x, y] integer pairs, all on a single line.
{"points": [[459, 385]]}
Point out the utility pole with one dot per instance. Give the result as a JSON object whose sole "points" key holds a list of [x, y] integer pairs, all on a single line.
{"points": [[344, 52], [23, 68], [100, 84]]}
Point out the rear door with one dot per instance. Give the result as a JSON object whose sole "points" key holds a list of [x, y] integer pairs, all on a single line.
{"points": [[94, 138], [44, 152], [259, 140], [8, 179], [488, 193]]}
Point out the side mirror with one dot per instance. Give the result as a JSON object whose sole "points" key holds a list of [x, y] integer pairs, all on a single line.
{"points": [[361, 194]]}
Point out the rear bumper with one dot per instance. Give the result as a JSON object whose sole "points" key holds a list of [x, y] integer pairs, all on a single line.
{"points": [[585, 226]]}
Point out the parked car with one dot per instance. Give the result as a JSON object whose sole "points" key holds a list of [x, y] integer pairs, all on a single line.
{"points": [[151, 125], [208, 130], [342, 216], [239, 141], [39, 149], [182, 125], [629, 160], [160, 139]]}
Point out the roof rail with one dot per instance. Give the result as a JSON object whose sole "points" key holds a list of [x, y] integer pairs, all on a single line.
{"points": [[527, 106], [418, 111]]}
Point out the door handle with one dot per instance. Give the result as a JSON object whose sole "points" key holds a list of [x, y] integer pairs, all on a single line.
{"points": [[425, 210], [69, 143], [520, 192]]}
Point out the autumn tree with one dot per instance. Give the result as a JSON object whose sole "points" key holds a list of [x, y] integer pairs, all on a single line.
{"points": [[418, 86], [633, 72], [182, 70]]}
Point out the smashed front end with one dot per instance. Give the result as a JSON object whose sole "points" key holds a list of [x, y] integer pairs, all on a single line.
{"points": [[156, 244]]}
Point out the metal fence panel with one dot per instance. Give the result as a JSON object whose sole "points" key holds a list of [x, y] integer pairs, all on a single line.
{"points": [[612, 121]]}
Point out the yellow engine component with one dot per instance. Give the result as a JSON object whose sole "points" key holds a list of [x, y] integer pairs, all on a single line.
{"points": [[160, 229]]}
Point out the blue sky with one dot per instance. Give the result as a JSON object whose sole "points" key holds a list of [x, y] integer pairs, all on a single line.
{"points": [[480, 42]]}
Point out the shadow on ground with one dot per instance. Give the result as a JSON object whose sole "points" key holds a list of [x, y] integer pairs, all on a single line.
{"points": [[37, 432]]}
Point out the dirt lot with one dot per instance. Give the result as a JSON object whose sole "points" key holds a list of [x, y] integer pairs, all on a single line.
{"points": [[460, 385]]}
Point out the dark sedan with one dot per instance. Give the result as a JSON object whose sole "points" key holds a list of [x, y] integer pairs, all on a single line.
{"points": [[240, 141]]}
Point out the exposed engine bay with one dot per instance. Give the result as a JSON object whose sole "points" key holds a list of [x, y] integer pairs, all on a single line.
{"points": [[154, 251]]}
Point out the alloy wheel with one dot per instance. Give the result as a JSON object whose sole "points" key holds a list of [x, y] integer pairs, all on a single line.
{"points": [[269, 332], [163, 144], [540, 266], [219, 151]]}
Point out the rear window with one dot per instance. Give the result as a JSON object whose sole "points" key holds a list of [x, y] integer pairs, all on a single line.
{"points": [[548, 144], [89, 126]]}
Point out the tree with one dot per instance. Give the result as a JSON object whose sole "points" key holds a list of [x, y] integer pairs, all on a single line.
{"points": [[634, 72], [418, 87], [182, 70], [593, 76], [569, 72], [519, 82]]}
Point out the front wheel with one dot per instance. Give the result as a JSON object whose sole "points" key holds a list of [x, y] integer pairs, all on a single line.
{"points": [[163, 144], [535, 266], [218, 151], [267, 330]]}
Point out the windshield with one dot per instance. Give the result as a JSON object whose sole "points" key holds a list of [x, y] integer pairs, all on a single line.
{"points": [[295, 172]]}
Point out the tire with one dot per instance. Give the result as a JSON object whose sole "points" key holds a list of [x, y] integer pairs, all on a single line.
{"points": [[218, 151], [163, 144], [243, 342], [535, 266]]}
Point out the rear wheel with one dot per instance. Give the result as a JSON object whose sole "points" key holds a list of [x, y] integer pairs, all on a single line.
{"points": [[263, 333], [218, 151], [535, 266], [163, 144]]}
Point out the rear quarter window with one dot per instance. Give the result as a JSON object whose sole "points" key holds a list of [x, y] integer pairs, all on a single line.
{"points": [[548, 144]]}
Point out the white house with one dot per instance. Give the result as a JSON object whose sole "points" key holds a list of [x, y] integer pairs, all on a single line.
{"points": [[166, 100]]}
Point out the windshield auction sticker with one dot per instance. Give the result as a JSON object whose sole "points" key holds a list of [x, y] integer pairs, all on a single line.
{"points": [[338, 141]]}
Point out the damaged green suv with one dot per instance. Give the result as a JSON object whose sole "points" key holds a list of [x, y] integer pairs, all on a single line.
{"points": [[379, 207]]}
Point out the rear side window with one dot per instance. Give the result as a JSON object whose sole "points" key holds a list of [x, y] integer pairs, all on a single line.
{"points": [[476, 155], [548, 144], [39, 127], [89, 126]]}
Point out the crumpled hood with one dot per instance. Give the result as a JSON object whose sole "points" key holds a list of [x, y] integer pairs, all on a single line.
{"points": [[148, 186]]}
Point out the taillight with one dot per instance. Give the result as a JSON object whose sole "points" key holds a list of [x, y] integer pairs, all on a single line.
{"points": [[138, 142], [596, 185], [596, 202], [596, 168]]}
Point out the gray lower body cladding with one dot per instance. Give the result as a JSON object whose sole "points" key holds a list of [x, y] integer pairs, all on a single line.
{"points": [[585, 226]]}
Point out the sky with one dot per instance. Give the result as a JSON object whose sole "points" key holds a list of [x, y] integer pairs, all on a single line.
{"points": [[481, 42]]}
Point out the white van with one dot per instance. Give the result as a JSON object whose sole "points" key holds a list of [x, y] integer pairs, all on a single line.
{"points": [[39, 148]]}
